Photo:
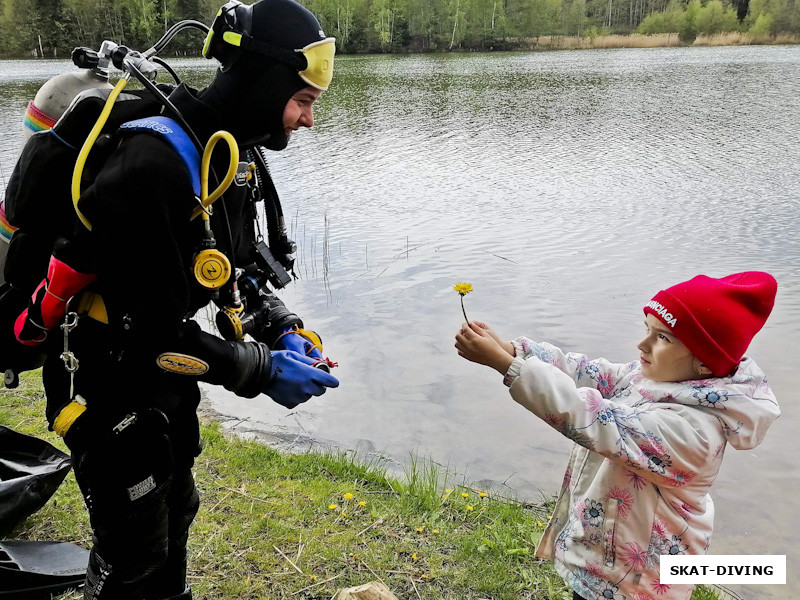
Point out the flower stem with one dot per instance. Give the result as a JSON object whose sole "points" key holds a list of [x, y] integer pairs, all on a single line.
{"points": [[462, 309]]}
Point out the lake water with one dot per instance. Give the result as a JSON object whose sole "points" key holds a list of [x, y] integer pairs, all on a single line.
{"points": [[567, 188]]}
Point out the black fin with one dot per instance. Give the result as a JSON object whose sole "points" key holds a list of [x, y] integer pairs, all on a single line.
{"points": [[38, 570]]}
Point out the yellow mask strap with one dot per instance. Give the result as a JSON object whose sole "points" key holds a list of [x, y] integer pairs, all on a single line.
{"points": [[210, 36], [319, 57]]}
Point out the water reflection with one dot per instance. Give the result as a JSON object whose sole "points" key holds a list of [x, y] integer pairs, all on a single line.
{"points": [[567, 188]]}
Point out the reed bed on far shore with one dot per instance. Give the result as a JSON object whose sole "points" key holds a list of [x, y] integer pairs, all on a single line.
{"points": [[659, 40]]}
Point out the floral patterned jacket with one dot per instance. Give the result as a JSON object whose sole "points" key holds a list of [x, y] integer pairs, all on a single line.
{"points": [[646, 454]]}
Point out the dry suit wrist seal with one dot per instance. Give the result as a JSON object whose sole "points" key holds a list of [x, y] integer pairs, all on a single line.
{"points": [[251, 369]]}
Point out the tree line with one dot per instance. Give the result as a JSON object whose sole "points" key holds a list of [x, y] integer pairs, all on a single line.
{"points": [[53, 27]]}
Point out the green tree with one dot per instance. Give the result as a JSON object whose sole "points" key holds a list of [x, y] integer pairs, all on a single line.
{"points": [[782, 12], [652, 24], [762, 26], [544, 17], [715, 17], [575, 17], [143, 20], [457, 12], [687, 30]]}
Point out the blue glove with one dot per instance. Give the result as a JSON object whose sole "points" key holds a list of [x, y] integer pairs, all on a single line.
{"points": [[293, 379], [301, 341]]}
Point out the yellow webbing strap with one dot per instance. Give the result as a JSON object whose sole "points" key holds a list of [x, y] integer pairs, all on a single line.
{"points": [[91, 305], [311, 336], [68, 416]]}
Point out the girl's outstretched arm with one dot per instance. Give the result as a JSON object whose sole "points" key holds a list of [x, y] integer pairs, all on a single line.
{"points": [[481, 345]]}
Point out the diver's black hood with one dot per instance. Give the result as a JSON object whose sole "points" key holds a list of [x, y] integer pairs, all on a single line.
{"points": [[252, 87], [250, 98]]}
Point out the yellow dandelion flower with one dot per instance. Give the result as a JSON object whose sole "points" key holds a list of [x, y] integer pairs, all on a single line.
{"points": [[539, 523], [447, 491], [348, 496], [489, 527], [362, 503], [435, 531], [482, 494], [414, 556], [313, 578], [465, 495], [463, 289], [470, 508], [344, 514], [420, 529], [332, 507]]}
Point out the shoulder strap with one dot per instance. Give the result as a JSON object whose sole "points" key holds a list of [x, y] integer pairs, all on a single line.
{"points": [[169, 130]]}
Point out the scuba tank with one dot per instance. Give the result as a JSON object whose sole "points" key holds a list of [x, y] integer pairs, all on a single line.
{"points": [[57, 93], [46, 108]]}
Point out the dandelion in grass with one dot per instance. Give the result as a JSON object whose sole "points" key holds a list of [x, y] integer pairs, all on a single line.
{"points": [[464, 495], [362, 503], [348, 496], [332, 507], [463, 289], [482, 494], [470, 508], [435, 531]]}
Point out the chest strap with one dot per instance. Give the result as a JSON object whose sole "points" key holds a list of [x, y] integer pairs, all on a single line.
{"points": [[167, 129]]}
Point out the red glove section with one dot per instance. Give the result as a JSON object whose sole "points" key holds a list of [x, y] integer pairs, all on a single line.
{"points": [[48, 303]]}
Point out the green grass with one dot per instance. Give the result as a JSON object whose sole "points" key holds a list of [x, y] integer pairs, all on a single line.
{"points": [[274, 525]]}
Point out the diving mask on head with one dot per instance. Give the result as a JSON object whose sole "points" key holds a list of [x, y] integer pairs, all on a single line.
{"points": [[294, 38]]}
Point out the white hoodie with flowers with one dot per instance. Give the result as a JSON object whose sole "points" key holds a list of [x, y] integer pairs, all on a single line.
{"points": [[646, 454]]}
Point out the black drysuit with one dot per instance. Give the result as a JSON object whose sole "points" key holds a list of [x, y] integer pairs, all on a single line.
{"points": [[135, 471]]}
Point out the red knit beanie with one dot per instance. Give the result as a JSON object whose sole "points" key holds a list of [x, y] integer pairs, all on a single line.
{"points": [[716, 318]]}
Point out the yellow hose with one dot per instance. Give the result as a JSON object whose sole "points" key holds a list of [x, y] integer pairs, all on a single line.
{"points": [[77, 173], [205, 198]]}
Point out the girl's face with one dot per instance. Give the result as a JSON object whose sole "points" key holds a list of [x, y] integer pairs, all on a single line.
{"points": [[299, 111], [664, 357]]}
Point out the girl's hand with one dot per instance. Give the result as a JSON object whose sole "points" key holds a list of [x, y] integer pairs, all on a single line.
{"points": [[507, 346], [477, 345]]}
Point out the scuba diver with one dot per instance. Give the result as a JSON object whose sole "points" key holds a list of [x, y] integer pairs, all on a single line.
{"points": [[123, 357]]}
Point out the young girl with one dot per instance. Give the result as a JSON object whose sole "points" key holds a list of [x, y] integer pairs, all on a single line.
{"points": [[650, 435]]}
